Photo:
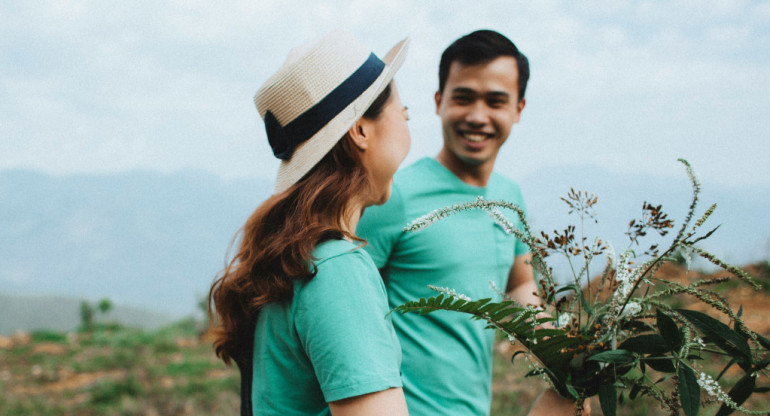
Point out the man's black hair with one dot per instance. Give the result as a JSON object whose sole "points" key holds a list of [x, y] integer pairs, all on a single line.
{"points": [[480, 47]]}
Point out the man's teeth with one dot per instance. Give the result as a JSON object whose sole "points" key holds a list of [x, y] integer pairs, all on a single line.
{"points": [[475, 137]]}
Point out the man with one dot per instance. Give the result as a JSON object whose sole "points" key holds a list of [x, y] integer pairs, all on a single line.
{"points": [[447, 357]]}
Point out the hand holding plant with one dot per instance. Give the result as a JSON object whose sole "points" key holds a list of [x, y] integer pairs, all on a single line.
{"points": [[621, 336]]}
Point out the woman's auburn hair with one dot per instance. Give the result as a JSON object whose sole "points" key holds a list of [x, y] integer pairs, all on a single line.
{"points": [[277, 242]]}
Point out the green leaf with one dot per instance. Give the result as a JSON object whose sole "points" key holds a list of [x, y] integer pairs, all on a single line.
{"points": [[646, 344], [608, 399], [635, 391], [574, 393], [623, 369], [491, 308], [689, 391], [586, 306], [474, 306], [719, 333], [762, 364], [739, 393], [508, 308], [636, 326], [763, 341], [535, 372], [570, 287], [669, 331], [664, 366], [549, 351], [614, 357]]}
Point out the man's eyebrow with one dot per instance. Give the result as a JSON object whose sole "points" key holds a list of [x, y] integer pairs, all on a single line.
{"points": [[471, 91], [464, 90], [497, 94]]}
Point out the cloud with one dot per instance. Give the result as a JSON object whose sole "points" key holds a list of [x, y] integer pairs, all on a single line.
{"points": [[92, 86]]}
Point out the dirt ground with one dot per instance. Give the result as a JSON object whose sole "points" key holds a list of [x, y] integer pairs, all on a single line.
{"points": [[755, 303]]}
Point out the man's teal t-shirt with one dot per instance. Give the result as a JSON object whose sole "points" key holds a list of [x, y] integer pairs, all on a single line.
{"points": [[330, 342], [447, 357]]}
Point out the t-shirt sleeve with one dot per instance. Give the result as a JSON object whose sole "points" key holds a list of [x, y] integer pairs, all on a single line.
{"points": [[381, 227], [341, 322]]}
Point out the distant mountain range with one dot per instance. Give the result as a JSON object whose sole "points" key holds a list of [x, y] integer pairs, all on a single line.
{"points": [[156, 241], [741, 213], [144, 239], [60, 313]]}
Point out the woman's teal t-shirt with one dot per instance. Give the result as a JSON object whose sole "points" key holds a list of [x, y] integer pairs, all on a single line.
{"points": [[330, 342]]}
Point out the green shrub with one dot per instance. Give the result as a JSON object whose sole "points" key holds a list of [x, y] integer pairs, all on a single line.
{"points": [[186, 327], [110, 393], [164, 346], [48, 336], [189, 368]]}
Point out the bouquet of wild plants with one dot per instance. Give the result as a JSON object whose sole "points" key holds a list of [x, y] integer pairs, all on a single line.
{"points": [[621, 335]]}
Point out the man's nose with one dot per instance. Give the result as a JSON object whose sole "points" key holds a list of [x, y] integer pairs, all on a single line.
{"points": [[477, 114]]}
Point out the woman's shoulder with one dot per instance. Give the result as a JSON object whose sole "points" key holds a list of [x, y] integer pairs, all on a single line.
{"points": [[341, 264], [331, 255], [331, 249]]}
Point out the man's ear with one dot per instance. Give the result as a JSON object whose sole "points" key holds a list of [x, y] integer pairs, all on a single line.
{"points": [[519, 108], [437, 98], [360, 133]]}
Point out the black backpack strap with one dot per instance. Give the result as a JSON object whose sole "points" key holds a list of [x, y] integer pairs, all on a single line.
{"points": [[245, 361]]}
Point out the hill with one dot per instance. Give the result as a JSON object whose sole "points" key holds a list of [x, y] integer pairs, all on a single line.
{"points": [[743, 236], [144, 239], [60, 313], [156, 241]]}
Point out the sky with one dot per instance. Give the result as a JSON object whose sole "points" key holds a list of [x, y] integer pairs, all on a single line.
{"points": [[97, 86]]}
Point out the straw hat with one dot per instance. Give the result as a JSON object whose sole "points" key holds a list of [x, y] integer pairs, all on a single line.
{"points": [[317, 95]]}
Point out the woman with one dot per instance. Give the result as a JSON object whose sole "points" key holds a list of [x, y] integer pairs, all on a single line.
{"points": [[301, 307]]}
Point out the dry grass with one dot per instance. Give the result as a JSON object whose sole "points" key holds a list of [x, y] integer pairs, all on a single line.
{"points": [[119, 371], [115, 371]]}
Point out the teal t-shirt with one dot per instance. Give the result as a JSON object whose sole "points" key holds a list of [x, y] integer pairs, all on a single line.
{"points": [[447, 357], [331, 341]]}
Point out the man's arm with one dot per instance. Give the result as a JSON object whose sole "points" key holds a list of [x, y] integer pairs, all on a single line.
{"points": [[522, 288], [550, 403], [521, 282]]}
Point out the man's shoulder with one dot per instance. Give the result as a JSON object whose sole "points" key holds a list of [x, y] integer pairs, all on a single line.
{"points": [[503, 179], [423, 175], [504, 183], [410, 186], [420, 167]]}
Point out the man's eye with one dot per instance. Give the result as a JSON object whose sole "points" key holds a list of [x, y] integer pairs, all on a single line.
{"points": [[462, 99]]}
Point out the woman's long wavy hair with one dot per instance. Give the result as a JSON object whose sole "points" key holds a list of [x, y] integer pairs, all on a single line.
{"points": [[277, 241]]}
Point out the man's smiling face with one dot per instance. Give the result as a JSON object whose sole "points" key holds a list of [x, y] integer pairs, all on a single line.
{"points": [[478, 107]]}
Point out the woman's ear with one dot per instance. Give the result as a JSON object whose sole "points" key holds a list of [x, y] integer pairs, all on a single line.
{"points": [[361, 133]]}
